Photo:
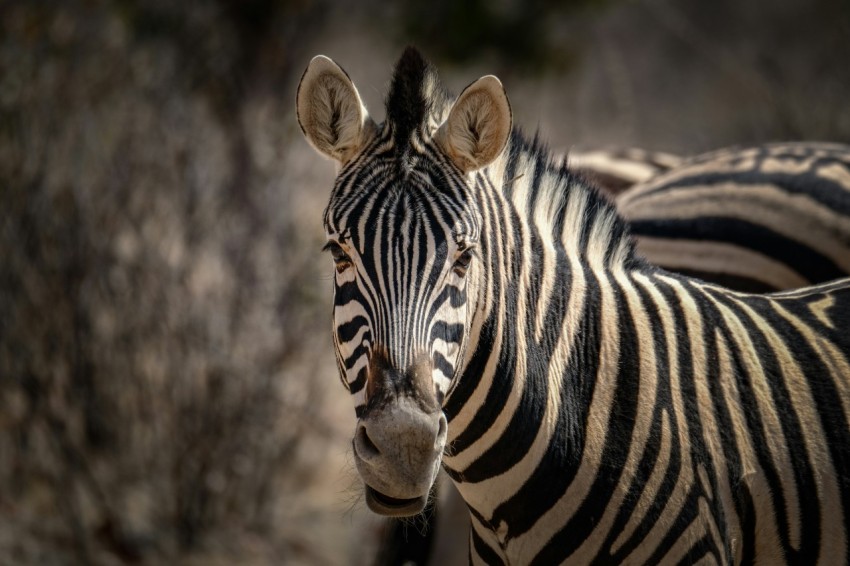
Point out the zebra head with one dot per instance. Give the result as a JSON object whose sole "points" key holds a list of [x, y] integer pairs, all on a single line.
{"points": [[403, 227]]}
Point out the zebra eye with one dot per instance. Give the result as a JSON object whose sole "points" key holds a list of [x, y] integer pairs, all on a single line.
{"points": [[341, 259], [462, 262]]}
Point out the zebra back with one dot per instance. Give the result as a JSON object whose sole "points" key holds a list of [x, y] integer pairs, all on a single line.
{"points": [[757, 219], [617, 170]]}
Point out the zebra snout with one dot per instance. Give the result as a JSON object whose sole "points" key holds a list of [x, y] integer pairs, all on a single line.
{"points": [[363, 445], [398, 450]]}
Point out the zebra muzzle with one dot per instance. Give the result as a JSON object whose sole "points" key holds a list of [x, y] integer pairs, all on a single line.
{"points": [[398, 450]]}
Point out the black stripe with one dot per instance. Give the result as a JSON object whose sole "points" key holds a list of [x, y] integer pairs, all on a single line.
{"points": [[824, 391], [347, 331], [358, 352], [345, 293], [821, 189], [482, 550], [464, 385], [443, 365], [451, 333], [748, 235], [699, 452], [359, 382], [520, 433]]}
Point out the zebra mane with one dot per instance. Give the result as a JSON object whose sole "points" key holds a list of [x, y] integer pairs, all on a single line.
{"points": [[562, 203], [417, 102], [543, 185]]}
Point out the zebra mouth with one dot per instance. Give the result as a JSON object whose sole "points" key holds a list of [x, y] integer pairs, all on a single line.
{"points": [[394, 507]]}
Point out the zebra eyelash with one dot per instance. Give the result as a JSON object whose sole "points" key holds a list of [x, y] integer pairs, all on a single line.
{"points": [[331, 245], [465, 256], [467, 248], [340, 257]]}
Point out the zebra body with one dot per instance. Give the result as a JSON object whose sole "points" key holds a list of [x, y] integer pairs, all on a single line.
{"points": [[490, 312], [721, 216], [617, 170], [761, 219]]}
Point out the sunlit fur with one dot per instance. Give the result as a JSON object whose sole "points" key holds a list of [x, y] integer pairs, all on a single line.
{"points": [[600, 410]]}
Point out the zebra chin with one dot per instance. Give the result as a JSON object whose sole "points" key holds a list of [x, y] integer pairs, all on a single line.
{"points": [[398, 450]]}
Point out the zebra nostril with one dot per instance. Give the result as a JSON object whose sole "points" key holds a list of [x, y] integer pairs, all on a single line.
{"points": [[365, 447], [442, 430]]}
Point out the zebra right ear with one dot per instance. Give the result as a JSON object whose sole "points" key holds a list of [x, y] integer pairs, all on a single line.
{"points": [[478, 126], [330, 111]]}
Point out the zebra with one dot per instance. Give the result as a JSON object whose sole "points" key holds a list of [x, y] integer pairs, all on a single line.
{"points": [[491, 315], [617, 170], [759, 219], [764, 218]]}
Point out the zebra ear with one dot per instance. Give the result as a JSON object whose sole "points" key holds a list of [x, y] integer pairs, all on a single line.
{"points": [[330, 111], [478, 125]]}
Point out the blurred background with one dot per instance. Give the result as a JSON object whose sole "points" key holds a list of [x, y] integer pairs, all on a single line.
{"points": [[168, 392]]}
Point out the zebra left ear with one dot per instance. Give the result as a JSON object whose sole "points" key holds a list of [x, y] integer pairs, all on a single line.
{"points": [[478, 125]]}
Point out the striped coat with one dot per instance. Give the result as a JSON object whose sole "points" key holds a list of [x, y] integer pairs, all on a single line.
{"points": [[701, 216], [491, 314], [762, 219]]}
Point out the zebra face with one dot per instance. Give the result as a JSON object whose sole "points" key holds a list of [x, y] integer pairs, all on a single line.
{"points": [[403, 248], [402, 229], [401, 284]]}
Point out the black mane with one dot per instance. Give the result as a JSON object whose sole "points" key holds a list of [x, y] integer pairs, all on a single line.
{"points": [[415, 95]]}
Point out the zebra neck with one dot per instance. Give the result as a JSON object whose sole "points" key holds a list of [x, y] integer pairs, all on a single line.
{"points": [[540, 396], [549, 242], [550, 203]]}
